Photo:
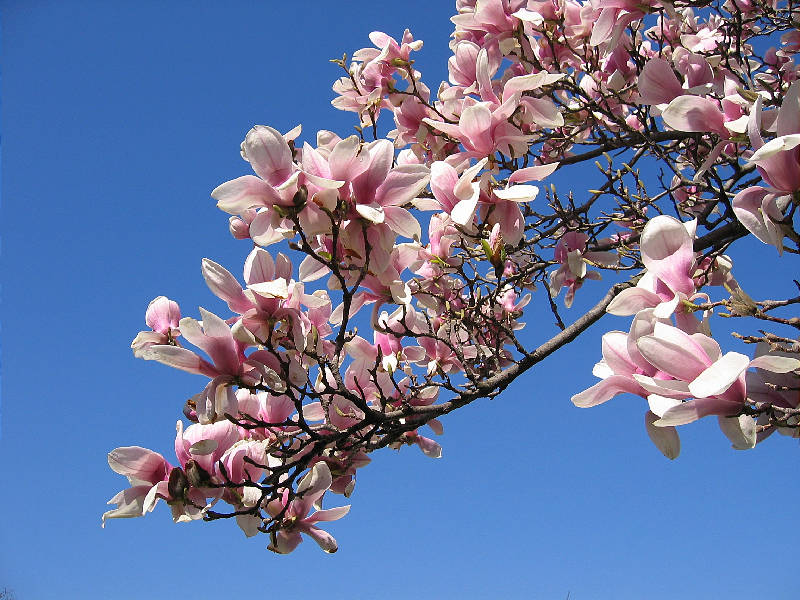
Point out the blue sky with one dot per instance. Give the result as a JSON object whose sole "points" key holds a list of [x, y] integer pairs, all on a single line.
{"points": [[118, 119]]}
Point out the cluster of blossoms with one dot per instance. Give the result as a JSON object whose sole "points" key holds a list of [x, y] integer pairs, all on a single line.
{"points": [[679, 368], [439, 230]]}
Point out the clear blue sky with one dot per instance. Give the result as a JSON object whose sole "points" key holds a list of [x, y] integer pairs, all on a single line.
{"points": [[118, 119]]}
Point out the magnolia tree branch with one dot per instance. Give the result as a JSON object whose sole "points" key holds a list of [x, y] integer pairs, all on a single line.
{"points": [[435, 239]]}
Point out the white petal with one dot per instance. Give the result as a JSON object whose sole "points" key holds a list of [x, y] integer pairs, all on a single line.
{"points": [[518, 193], [719, 376], [371, 213], [741, 431], [665, 438], [773, 147], [271, 289], [776, 364]]}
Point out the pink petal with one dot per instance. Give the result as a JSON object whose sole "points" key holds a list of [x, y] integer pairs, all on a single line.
{"points": [[658, 83], [162, 314], [330, 514], [605, 390], [443, 180], [475, 124], [615, 353], [402, 222], [324, 539], [631, 300], [224, 285], [259, 266], [789, 113], [747, 208], [403, 184], [673, 352], [269, 154], [667, 252], [138, 463], [537, 173], [178, 358], [345, 161], [237, 195], [315, 482], [693, 113]]}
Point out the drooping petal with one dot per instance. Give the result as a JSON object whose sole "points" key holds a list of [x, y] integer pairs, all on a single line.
{"points": [[285, 542], [741, 431], [665, 438], [324, 539], [315, 482], [747, 208]]}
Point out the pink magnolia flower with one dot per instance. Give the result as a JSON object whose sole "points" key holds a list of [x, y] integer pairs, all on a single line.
{"points": [[761, 210], [571, 253], [457, 195], [295, 519], [147, 472], [667, 252], [269, 154], [163, 316], [778, 160], [700, 371], [483, 128]]}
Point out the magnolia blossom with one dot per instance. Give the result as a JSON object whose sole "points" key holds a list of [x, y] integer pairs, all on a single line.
{"points": [[295, 517]]}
